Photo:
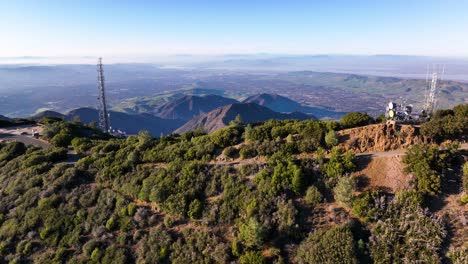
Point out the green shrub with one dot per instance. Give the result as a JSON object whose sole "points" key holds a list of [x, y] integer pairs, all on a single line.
{"points": [[154, 246], [131, 209], [339, 163], [62, 139], [230, 152], [111, 224], [195, 209], [335, 245], [464, 198], [169, 221], [355, 119], [96, 255], [447, 124], [427, 163], [89, 247], [285, 217], [81, 145], [313, 196], [252, 233], [369, 205], [331, 139], [343, 191], [248, 151], [228, 136], [252, 257], [12, 150], [249, 169]]}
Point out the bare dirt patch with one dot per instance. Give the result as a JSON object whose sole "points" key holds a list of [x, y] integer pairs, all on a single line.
{"points": [[382, 172]]}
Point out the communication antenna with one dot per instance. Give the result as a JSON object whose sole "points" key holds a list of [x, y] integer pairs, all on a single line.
{"points": [[426, 89], [104, 122], [431, 98], [441, 78]]}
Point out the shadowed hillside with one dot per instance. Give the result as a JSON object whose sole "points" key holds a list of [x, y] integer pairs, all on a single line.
{"points": [[130, 124], [190, 106], [280, 103], [249, 113]]}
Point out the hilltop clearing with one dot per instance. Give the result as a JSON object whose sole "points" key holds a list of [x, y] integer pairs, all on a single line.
{"points": [[382, 173]]}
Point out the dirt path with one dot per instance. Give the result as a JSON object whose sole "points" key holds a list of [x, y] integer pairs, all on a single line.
{"points": [[397, 153]]}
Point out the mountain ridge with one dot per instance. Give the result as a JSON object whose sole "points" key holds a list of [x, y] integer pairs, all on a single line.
{"points": [[249, 112], [131, 124], [189, 106], [281, 103]]}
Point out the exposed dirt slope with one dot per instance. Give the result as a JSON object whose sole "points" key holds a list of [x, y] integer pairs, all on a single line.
{"points": [[380, 137], [382, 172]]}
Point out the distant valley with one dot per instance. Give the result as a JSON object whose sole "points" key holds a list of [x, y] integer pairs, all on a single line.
{"points": [[209, 112], [145, 88]]}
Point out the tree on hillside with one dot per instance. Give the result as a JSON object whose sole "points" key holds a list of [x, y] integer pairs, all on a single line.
{"points": [[331, 139], [355, 119], [335, 245], [343, 191], [428, 164], [447, 124], [81, 145], [252, 233]]}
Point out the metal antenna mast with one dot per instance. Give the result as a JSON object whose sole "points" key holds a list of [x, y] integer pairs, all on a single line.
{"points": [[431, 97], [104, 122]]}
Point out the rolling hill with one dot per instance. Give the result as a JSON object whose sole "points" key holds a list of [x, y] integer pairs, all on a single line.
{"points": [[48, 113], [280, 103], [249, 112], [4, 118], [131, 124], [275, 102]]}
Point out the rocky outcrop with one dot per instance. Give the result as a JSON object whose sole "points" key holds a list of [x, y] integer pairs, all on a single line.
{"points": [[380, 137]]}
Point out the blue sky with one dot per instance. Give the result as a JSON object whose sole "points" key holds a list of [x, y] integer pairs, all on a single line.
{"points": [[138, 27]]}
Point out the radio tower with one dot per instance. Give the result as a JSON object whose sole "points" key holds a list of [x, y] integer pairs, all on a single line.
{"points": [[104, 123], [431, 97]]}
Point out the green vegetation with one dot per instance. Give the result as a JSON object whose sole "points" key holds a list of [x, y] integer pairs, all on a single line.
{"points": [[406, 232], [343, 191], [429, 165], [355, 119], [174, 200], [313, 196], [335, 245], [464, 198], [447, 124]]}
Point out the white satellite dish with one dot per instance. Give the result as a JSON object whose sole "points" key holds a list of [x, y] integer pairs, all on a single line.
{"points": [[391, 105]]}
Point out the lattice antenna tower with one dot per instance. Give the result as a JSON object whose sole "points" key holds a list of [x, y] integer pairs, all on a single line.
{"points": [[104, 122], [431, 97]]}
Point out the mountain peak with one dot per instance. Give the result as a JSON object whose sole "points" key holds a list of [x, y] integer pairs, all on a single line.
{"points": [[249, 112], [189, 106]]}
